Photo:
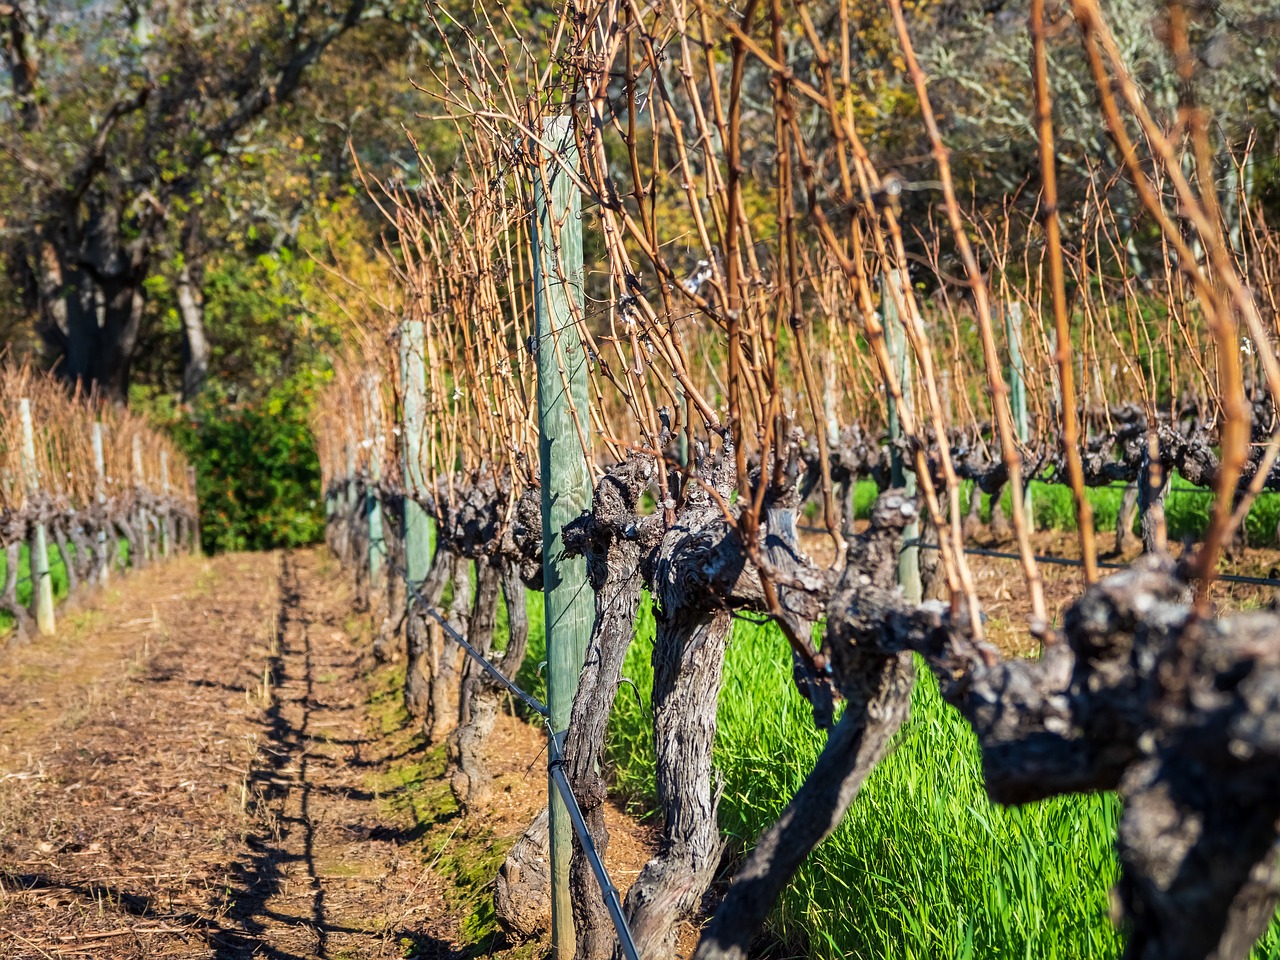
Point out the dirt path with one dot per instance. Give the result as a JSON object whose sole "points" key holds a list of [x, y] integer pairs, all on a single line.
{"points": [[183, 774]]}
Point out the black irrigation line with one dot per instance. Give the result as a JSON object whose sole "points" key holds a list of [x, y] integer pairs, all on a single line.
{"points": [[555, 759]]}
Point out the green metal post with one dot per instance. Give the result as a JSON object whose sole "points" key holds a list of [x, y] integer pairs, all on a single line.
{"points": [[563, 431], [413, 384], [1018, 391], [41, 579], [100, 468], [373, 427], [899, 353]]}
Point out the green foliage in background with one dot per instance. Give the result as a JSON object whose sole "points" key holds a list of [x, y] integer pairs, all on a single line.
{"points": [[274, 316], [257, 473]]}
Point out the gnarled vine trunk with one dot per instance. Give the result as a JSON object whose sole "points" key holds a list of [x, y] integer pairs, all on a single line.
{"points": [[471, 780], [447, 656], [693, 626], [615, 541], [419, 668]]}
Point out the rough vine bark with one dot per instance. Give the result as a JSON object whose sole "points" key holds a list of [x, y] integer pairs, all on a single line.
{"points": [[447, 656], [693, 625], [1134, 693], [877, 690], [14, 531], [59, 529], [418, 670], [471, 782], [393, 619], [615, 541]]}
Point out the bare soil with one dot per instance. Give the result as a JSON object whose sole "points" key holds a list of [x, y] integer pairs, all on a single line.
{"points": [[205, 763]]}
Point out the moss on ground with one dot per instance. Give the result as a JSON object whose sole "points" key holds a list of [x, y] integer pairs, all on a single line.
{"points": [[414, 787]]}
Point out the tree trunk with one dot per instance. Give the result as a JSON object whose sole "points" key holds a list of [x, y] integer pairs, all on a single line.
{"points": [[688, 657], [446, 657], [358, 541], [126, 528], [58, 528], [82, 553], [613, 538], [522, 894], [9, 598], [92, 300], [417, 677], [393, 621], [1001, 531], [973, 518], [1125, 538], [877, 690], [190, 295], [1153, 488], [472, 782], [21, 23], [486, 698]]}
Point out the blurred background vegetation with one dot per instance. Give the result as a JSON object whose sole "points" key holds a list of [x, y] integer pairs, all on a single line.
{"points": [[185, 214]]}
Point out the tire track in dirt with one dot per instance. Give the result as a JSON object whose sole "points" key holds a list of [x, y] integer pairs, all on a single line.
{"points": [[326, 877], [191, 783]]}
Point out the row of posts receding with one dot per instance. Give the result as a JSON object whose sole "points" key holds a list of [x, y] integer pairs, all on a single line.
{"points": [[565, 459], [42, 592], [569, 604]]}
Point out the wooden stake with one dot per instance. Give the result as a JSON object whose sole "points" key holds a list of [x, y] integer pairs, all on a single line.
{"points": [[166, 531], [372, 427], [1018, 390], [896, 336], [349, 488], [144, 521], [41, 579], [566, 477], [100, 468]]}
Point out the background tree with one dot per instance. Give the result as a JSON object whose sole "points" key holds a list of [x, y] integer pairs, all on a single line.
{"points": [[123, 116]]}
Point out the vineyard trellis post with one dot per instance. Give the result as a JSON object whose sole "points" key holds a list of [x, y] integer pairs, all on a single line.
{"points": [[373, 507], [165, 531], [144, 522], [350, 489], [41, 578], [566, 479], [100, 495], [1018, 391], [896, 336], [417, 523], [196, 544]]}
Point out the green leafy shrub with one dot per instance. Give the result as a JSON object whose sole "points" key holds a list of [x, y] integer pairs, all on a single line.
{"points": [[257, 473]]}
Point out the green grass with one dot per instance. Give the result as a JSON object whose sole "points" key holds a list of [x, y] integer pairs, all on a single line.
{"points": [[1186, 508], [924, 865], [57, 572]]}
